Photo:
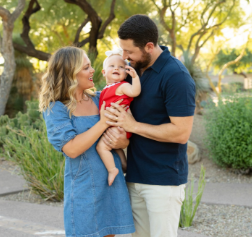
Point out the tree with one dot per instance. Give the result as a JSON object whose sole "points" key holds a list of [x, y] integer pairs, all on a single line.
{"points": [[240, 67], [216, 47], [7, 52], [190, 24], [91, 16], [228, 64]]}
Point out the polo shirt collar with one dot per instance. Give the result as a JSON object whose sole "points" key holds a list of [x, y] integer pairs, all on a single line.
{"points": [[161, 60]]}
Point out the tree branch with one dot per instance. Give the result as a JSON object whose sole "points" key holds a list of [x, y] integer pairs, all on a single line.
{"points": [[204, 24], [109, 19], [95, 21], [199, 46], [203, 28], [208, 37], [5, 14], [154, 2], [77, 35], [32, 52], [83, 42], [162, 14], [97, 31], [26, 24], [213, 10], [29, 49], [18, 10], [231, 63]]}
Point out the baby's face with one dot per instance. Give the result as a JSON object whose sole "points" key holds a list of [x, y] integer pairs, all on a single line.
{"points": [[114, 70]]}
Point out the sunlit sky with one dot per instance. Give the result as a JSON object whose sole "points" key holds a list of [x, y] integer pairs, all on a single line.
{"points": [[237, 37]]}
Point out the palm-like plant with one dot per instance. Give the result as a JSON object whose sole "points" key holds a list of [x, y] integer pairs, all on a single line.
{"points": [[201, 82]]}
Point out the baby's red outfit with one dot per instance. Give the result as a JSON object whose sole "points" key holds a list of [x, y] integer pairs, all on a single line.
{"points": [[108, 95]]}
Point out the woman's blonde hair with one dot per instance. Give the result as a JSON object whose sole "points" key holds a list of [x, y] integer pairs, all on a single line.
{"points": [[59, 83]]}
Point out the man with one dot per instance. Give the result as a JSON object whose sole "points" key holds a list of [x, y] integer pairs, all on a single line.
{"points": [[161, 125]]}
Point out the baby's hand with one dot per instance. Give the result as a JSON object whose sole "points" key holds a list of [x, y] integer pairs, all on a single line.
{"points": [[131, 71]]}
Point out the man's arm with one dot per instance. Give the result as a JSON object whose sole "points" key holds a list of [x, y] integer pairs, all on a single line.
{"points": [[178, 131]]}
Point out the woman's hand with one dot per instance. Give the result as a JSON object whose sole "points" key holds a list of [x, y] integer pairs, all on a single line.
{"points": [[104, 111], [104, 119], [115, 137]]}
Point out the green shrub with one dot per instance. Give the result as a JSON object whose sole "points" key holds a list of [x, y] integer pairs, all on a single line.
{"points": [[229, 132], [231, 88], [191, 203], [25, 143]]}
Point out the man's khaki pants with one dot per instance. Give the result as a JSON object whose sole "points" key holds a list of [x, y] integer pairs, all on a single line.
{"points": [[156, 209]]}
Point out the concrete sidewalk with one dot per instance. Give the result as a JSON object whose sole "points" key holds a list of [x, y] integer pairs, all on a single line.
{"points": [[228, 194], [11, 183], [19, 219], [27, 219]]}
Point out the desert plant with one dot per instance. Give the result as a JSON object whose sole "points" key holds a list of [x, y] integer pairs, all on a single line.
{"points": [[229, 132], [201, 82], [25, 143], [191, 202]]}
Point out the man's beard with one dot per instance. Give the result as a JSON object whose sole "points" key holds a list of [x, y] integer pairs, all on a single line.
{"points": [[145, 61]]}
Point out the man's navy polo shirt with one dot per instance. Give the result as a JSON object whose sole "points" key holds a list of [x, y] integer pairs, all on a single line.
{"points": [[167, 90]]}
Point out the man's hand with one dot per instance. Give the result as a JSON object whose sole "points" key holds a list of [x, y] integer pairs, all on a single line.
{"points": [[121, 118], [115, 137]]}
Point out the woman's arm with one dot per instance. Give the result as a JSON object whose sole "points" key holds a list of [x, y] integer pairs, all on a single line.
{"points": [[84, 141]]}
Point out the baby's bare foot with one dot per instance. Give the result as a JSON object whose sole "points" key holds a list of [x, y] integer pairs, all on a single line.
{"points": [[111, 175]]}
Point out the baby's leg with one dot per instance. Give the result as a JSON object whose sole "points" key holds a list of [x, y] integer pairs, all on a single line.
{"points": [[122, 156], [108, 160]]}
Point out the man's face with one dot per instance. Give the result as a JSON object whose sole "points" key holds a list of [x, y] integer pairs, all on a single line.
{"points": [[138, 57]]}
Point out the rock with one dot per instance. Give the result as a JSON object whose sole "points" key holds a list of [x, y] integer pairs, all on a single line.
{"points": [[192, 153]]}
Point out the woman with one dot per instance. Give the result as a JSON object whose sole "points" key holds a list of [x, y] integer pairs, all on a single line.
{"points": [[70, 110]]}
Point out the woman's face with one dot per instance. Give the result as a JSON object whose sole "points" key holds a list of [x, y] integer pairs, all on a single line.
{"points": [[85, 75]]}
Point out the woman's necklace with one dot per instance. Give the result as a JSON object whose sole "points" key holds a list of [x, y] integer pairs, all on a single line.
{"points": [[86, 98]]}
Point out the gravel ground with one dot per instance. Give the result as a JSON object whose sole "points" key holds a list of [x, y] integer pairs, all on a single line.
{"points": [[222, 221], [211, 220]]}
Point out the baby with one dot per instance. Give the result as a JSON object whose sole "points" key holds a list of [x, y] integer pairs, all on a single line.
{"points": [[115, 70]]}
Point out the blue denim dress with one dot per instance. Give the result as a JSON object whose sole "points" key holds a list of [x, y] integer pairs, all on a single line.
{"points": [[91, 207]]}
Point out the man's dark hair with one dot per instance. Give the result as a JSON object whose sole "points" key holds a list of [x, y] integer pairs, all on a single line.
{"points": [[141, 29]]}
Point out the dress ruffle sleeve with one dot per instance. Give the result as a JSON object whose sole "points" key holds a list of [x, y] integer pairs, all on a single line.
{"points": [[60, 129]]}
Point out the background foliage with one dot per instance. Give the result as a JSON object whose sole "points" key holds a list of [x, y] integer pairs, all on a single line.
{"points": [[229, 132], [24, 141]]}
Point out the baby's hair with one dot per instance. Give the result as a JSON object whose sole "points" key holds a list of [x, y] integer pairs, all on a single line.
{"points": [[117, 51]]}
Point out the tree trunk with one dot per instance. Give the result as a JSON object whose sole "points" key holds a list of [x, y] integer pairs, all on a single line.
{"points": [[9, 66], [7, 51], [173, 43]]}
